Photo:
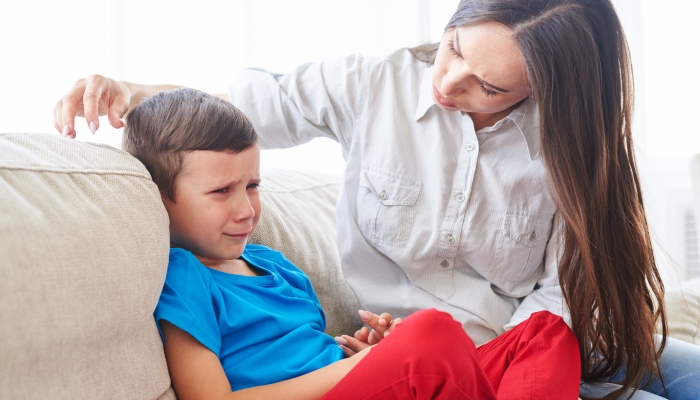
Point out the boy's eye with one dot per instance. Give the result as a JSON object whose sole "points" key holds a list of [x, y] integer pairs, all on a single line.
{"points": [[222, 190], [253, 186]]}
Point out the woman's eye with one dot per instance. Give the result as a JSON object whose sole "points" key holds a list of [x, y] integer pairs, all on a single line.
{"points": [[487, 92], [451, 46]]}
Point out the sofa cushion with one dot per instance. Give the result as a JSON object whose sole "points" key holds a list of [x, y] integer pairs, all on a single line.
{"points": [[84, 250], [298, 219], [683, 308]]}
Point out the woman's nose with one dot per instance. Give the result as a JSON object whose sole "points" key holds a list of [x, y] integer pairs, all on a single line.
{"points": [[452, 83]]}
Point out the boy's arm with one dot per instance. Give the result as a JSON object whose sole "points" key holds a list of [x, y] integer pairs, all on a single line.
{"points": [[196, 373]]}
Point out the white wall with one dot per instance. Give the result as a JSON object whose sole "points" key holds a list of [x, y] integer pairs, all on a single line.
{"points": [[47, 45], [663, 40]]}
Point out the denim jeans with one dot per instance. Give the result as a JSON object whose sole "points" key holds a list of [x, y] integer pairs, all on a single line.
{"points": [[680, 370]]}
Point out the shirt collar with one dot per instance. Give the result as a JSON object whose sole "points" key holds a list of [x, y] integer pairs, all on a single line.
{"points": [[425, 94], [526, 117]]}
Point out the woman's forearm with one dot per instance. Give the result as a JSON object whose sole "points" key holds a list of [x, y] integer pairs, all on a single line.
{"points": [[139, 91]]}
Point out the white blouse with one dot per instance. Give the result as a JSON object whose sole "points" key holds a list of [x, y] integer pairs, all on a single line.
{"points": [[431, 213]]}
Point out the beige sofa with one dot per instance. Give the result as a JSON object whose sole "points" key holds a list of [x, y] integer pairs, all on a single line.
{"points": [[83, 254]]}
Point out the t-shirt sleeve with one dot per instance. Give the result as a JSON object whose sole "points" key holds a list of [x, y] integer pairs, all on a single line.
{"points": [[188, 300]]}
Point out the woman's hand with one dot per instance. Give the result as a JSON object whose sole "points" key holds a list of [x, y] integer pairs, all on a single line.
{"points": [[98, 95], [381, 326], [91, 97]]}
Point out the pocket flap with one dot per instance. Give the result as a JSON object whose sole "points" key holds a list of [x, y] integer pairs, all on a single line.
{"points": [[528, 229], [390, 190]]}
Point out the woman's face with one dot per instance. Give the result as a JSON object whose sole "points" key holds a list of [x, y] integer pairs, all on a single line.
{"points": [[479, 69]]}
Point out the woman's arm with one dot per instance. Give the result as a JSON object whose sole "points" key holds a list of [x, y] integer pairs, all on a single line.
{"points": [[98, 95], [196, 373]]}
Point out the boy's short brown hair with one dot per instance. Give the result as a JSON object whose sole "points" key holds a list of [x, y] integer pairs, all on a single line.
{"points": [[165, 126]]}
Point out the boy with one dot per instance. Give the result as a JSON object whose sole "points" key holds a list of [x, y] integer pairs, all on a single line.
{"points": [[239, 320]]}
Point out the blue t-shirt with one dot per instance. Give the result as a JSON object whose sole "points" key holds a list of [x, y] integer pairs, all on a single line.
{"points": [[264, 329]]}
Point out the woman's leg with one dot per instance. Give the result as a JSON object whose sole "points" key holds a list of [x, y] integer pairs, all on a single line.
{"points": [[538, 359], [427, 356], [680, 371], [598, 390]]}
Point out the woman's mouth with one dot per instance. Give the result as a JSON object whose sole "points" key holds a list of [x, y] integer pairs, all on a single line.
{"points": [[441, 99]]}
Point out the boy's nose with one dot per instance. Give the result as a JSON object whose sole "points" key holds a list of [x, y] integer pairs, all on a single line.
{"points": [[243, 210]]}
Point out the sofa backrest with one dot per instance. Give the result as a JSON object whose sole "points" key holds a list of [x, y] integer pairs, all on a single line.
{"points": [[83, 254]]}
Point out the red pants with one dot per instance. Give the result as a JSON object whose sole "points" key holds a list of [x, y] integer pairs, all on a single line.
{"points": [[429, 356]]}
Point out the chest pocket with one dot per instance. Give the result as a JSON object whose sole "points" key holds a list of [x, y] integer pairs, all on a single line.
{"points": [[520, 250], [386, 207]]}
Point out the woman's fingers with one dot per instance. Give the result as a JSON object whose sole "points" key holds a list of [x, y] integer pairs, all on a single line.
{"points": [[95, 88], [393, 325], [91, 97], [378, 323], [362, 334], [66, 110], [350, 345]]}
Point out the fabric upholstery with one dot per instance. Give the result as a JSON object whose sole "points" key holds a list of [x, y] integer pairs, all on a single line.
{"points": [[683, 307], [83, 255]]}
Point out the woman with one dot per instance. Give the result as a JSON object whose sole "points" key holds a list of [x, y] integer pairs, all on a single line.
{"points": [[491, 175]]}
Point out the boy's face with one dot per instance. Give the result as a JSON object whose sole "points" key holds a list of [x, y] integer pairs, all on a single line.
{"points": [[217, 204]]}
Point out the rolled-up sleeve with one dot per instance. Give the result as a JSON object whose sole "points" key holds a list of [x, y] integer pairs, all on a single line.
{"points": [[314, 100], [548, 295]]}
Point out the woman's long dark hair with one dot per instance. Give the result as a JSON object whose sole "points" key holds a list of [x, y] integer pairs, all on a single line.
{"points": [[580, 74]]}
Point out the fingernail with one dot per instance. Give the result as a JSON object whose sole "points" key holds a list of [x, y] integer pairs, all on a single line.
{"points": [[66, 130], [386, 333], [93, 127], [341, 340], [364, 315]]}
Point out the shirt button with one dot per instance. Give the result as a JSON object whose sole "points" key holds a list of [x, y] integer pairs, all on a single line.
{"points": [[382, 195], [460, 198], [450, 239], [533, 236], [470, 147], [444, 264]]}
